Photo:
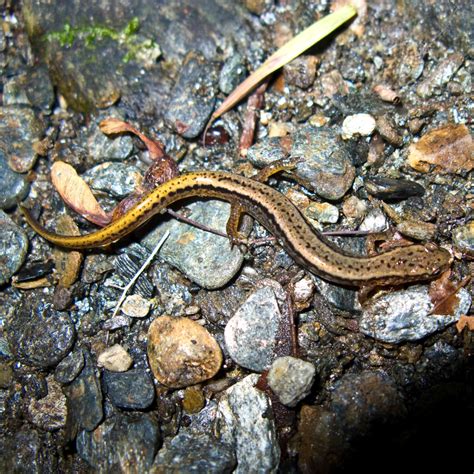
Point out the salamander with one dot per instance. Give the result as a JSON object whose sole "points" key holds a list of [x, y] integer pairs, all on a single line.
{"points": [[282, 218]]}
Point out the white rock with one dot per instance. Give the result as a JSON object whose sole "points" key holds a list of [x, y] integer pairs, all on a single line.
{"points": [[358, 124], [115, 359]]}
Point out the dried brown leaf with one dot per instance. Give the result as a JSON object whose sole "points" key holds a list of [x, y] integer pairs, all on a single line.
{"points": [[465, 322], [77, 194]]}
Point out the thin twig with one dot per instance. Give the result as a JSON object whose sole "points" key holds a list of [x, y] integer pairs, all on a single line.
{"points": [[194, 223], [139, 272]]}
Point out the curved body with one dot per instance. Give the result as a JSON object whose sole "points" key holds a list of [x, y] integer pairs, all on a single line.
{"points": [[282, 219]]}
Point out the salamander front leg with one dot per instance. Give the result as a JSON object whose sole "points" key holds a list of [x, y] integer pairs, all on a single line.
{"points": [[233, 224], [278, 166]]}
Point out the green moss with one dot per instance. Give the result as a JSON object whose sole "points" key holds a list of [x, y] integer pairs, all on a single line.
{"points": [[90, 35]]}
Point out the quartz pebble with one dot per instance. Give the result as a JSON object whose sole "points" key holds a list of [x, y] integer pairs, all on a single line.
{"points": [[448, 149], [181, 352], [115, 359], [405, 315], [13, 247], [358, 124], [322, 212], [131, 390], [136, 306], [250, 335], [291, 379], [244, 421]]}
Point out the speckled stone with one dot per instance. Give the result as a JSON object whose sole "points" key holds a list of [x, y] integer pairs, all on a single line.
{"points": [[181, 352], [70, 367], [205, 258], [13, 186], [463, 237], [232, 73], [243, 420], [13, 247]]}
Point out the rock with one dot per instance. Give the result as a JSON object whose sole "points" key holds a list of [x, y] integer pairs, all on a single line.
{"points": [[84, 397], [354, 208], [301, 72], [19, 130], [405, 315], [339, 296], [375, 221], [409, 63], [193, 400], [6, 374], [418, 230], [233, 72], [193, 96], [13, 247], [322, 212], [121, 442], [190, 453], [440, 75], [38, 335], [291, 379], [136, 306], [181, 352], [13, 186], [358, 125], [205, 258], [327, 167], [243, 420], [131, 390], [448, 149], [115, 359], [49, 413], [117, 179], [390, 189], [463, 238], [32, 88], [70, 367], [251, 334]]}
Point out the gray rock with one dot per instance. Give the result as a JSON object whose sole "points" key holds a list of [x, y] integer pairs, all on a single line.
{"points": [[405, 315], [132, 390], [243, 420], [117, 179], [70, 367], [121, 442], [13, 186], [291, 379], [19, 129], [193, 96], [339, 296], [38, 335], [205, 258], [250, 335], [32, 88], [233, 72], [386, 188], [187, 453], [84, 399], [326, 166], [463, 237], [13, 247]]}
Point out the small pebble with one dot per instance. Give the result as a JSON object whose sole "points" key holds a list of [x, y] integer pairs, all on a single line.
{"points": [[418, 230], [358, 125], [354, 208], [131, 390], [388, 131], [39, 335], [405, 315], [13, 247], [115, 359], [303, 290], [13, 186], [250, 335], [392, 189], [463, 238], [136, 306], [375, 221], [448, 149], [70, 367], [301, 72], [244, 420], [49, 413], [6, 374], [322, 212], [181, 352], [291, 379], [233, 72], [193, 400]]}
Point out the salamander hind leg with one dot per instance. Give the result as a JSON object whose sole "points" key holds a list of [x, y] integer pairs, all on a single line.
{"points": [[233, 224]]}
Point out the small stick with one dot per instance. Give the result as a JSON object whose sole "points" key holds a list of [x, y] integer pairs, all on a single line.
{"points": [[139, 272]]}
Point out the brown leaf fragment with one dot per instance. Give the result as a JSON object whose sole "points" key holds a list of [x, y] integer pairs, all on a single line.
{"points": [[443, 294], [68, 263], [465, 322], [255, 103], [77, 194]]}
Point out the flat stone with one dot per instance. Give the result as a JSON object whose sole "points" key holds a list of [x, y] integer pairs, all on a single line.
{"points": [[405, 315], [70, 367], [243, 421], [250, 335], [205, 258], [13, 186], [39, 335], [392, 189], [131, 390], [13, 247], [181, 352], [291, 379]]}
